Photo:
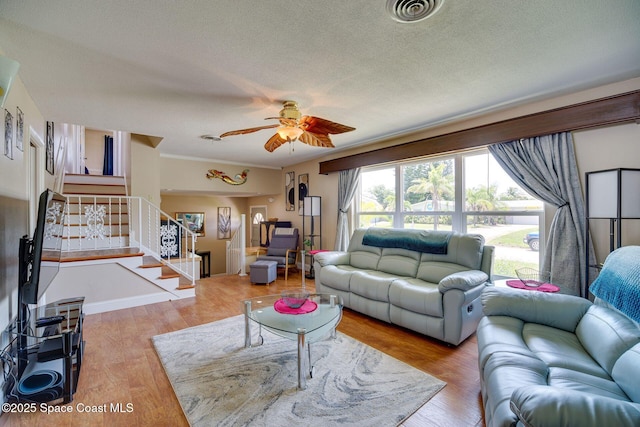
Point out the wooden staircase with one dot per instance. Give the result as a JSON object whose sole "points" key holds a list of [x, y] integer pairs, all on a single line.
{"points": [[98, 212], [149, 262], [97, 232]]}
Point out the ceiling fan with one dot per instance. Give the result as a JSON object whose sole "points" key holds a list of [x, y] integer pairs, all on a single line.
{"points": [[293, 126]]}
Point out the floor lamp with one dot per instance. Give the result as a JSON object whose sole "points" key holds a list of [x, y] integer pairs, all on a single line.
{"points": [[612, 194]]}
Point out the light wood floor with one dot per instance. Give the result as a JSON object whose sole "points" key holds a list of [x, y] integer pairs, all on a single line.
{"points": [[121, 366]]}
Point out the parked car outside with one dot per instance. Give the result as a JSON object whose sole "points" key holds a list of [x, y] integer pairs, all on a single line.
{"points": [[533, 240]]}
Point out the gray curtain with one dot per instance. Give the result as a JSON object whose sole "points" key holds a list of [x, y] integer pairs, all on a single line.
{"points": [[545, 166], [347, 186]]}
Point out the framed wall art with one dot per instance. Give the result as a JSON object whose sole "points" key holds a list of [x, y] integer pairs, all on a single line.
{"points": [[49, 148], [194, 221], [303, 191], [224, 223], [19, 129], [8, 134], [290, 191]]}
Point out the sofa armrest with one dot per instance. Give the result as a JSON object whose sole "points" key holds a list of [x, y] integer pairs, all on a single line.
{"points": [[549, 406], [463, 280], [332, 258], [556, 310]]}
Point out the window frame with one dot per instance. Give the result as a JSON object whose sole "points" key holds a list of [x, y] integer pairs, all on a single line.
{"points": [[459, 216]]}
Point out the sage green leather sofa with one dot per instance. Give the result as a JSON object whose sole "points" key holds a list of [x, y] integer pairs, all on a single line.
{"points": [[436, 294], [559, 360]]}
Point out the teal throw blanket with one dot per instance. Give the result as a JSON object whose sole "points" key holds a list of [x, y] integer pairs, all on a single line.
{"points": [[619, 281], [433, 242]]}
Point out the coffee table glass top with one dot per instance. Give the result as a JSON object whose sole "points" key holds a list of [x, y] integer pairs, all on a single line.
{"points": [[314, 324]]}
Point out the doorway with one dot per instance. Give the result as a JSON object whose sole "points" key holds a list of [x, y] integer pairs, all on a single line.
{"points": [[35, 174], [258, 214]]}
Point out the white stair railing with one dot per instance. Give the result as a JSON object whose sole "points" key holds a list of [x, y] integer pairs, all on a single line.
{"points": [[236, 250], [95, 222]]}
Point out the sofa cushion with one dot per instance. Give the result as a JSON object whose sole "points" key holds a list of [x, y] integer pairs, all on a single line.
{"points": [[372, 285], [582, 382], [363, 256], [500, 334], [560, 348], [435, 271], [400, 262], [606, 334], [336, 276], [551, 406], [626, 372], [535, 307], [503, 373], [464, 249], [416, 295]]}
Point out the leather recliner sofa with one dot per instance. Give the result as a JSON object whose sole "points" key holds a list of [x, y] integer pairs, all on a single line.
{"points": [[561, 360], [436, 294]]}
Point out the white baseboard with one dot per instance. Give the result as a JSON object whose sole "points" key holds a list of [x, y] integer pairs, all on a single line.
{"points": [[119, 304]]}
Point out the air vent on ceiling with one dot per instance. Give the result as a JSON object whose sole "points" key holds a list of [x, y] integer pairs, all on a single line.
{"points": [[412, 10], [210, 137]]}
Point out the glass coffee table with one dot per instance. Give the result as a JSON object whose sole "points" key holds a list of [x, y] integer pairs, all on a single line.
{"points": [[315, 320]]}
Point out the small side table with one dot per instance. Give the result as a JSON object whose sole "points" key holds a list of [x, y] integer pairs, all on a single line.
{"points": [[205, 265], [312, 273]]}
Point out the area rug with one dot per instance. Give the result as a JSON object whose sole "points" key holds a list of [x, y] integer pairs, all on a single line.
{"points": [[219, 382]]}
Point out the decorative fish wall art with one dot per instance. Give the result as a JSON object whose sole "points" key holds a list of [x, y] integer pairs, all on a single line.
{"points": [[238, 179]]}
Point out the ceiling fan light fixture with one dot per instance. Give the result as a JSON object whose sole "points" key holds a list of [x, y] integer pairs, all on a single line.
{"points": [[289, 133]]}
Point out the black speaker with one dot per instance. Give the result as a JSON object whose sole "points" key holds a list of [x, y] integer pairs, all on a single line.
{"points": [[42, 381]]}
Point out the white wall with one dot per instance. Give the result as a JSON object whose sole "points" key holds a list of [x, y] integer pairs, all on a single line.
{"points": [[145, 174], [609, 148], [104, 286], [621, 145], [14, 185], [188, 175]]}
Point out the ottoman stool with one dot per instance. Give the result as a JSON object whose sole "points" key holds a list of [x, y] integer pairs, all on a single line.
{"points": [[263, 271]]}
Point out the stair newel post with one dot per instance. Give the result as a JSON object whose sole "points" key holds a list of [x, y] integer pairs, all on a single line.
{"points": [[110, 221], [95, 209], [68, 224], [120, 220], [243, 245], [193, 253]]}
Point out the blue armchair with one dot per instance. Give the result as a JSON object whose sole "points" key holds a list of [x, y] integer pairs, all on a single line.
{"points": [[283, 249]]}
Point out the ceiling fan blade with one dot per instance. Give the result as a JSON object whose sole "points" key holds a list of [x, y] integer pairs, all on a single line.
{"points": [[316, 140], [319, 125], [274, 142], [249, 130], [284, 121]]}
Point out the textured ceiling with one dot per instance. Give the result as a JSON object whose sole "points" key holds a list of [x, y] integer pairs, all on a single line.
{"points": [[181, 69]]}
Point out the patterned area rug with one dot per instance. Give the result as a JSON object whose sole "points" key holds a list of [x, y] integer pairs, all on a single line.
{"points": [[219, 382]]}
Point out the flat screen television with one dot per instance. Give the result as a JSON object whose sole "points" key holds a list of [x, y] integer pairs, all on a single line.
{"points": [[40, 255]]}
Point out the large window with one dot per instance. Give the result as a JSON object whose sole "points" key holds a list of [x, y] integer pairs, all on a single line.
{"points": [[468, 193]]}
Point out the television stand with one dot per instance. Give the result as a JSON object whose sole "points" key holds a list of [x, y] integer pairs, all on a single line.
{"points": [[49, 361]]}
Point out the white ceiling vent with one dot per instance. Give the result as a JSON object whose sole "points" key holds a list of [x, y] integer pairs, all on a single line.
{"points": [[412, 10]]}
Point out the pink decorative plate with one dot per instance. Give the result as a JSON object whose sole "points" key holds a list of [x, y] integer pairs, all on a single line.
{"points": [[545, 287], [283, 308]]}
